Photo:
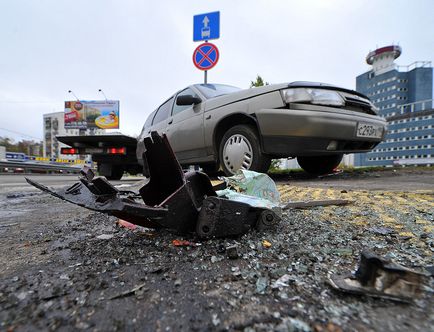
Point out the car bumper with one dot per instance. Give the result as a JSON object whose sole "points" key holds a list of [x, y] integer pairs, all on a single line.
{"points": [[315, 130]]}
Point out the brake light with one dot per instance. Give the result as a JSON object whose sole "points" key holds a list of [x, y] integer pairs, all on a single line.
{"points": [[69, 151], [122, 150]]}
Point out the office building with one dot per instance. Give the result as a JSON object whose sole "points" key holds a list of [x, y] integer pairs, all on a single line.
{"points": [[404, 97], [54, 125]]}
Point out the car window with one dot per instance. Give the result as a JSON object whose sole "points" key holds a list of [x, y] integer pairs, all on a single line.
{"points": [[163, 111], [149, 119], [179, 108]]}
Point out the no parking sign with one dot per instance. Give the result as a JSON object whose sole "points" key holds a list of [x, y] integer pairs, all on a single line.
{"points": [[205, 56]]}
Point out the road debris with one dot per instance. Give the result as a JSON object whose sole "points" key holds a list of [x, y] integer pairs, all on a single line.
{"points": [[68, 287], [9, 225], [308, 204], [262, 284], [281, 282], [105, 236], [126, 224], [232, 252], [253, 188], [266, 244], [378, 277], [181, 203], [382, 230], [138, 290], [183, 243]]}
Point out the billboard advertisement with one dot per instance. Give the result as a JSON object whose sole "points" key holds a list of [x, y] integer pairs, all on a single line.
{"points": [[84, 114]]}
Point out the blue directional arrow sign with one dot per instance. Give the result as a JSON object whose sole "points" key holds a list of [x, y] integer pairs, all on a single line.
{"points": [[206, 26]]}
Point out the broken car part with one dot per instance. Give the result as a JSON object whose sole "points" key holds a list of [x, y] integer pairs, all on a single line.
{"points": [[308, 204], [378, 277], [179, 202]]}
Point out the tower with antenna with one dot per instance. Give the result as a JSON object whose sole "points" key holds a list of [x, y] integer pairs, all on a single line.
{"points": [[404, 97]]}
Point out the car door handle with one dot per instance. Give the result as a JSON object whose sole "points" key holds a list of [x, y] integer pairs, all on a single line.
{"points": [[170, 122], [208, 117]]}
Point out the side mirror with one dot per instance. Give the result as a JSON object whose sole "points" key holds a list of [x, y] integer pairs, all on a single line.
{"points": [[186, 100]]}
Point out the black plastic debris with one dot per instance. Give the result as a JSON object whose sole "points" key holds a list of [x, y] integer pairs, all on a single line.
{"points": [[381, 278], [182, 203]]}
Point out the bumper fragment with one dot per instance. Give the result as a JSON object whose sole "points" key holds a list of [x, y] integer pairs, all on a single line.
{"points": [[181, 203]]}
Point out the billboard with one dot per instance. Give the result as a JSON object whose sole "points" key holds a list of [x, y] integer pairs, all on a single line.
{"points": [[84, 114]]}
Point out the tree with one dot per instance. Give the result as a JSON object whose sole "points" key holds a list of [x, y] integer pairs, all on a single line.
{"points": [[25, 146], [8, 144], [259, 82]]}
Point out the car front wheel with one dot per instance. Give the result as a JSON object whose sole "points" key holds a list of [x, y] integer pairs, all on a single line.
{"points": [[320, 165], [240, 149]]}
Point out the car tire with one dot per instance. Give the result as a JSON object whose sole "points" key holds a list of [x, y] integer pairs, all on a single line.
{"points": [[117, 173], [240, 148], [319, 165]]}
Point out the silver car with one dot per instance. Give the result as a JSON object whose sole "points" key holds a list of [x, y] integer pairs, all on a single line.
{"points": [[216, 125]]}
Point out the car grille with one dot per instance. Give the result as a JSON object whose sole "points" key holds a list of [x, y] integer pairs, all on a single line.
{"points": [[358, 105], [356, 102]]}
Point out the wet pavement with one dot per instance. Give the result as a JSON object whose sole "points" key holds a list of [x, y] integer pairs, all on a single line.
{"points": [[67, 268]]}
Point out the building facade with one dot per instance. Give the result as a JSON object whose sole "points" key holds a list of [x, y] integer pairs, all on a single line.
{"points": [[404, 97], [54, 125]]}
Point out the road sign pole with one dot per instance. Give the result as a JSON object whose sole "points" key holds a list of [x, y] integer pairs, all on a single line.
{"points": [[205, 74]]}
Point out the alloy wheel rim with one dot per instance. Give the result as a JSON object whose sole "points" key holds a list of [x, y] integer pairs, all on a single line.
{"points": [[237, 153]]}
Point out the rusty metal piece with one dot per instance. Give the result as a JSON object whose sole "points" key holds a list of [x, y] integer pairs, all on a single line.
{"points": [[378, 277], [182, 203], [308, 204]]}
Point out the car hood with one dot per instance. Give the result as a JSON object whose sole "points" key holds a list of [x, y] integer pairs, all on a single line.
{"points": [[257, 91]]}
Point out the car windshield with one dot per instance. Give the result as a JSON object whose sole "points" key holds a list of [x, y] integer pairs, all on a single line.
{"points": [[215, 90]]}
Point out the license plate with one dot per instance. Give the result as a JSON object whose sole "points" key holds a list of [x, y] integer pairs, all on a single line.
{"points": [[369, 130]]}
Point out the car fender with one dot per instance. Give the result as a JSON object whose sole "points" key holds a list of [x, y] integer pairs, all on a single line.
{"points": [[229, 121]]}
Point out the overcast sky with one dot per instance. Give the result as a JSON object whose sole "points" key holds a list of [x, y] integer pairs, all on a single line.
{"points": [[140, 52]]}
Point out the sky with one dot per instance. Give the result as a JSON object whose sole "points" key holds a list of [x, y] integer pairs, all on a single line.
{"points": [[140, 52]]}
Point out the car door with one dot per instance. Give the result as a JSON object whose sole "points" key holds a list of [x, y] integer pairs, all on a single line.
{"points": [[185, 130], [159, 122]]}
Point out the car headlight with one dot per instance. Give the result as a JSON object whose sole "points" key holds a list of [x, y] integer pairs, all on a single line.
{"points": [[313, 96]]}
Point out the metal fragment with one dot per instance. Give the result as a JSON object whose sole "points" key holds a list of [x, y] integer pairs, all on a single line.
{"points": [[378, 277], [181, 203]]}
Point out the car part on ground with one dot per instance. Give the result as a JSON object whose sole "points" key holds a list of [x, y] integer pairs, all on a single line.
{"points": [[255, 189], [309, 204], [182, 203], [378, 277]]}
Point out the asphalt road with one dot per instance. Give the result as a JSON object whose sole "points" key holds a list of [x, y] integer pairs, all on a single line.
{"points": [[410, 179], [17, 182], [405, 180], [67, 268]]}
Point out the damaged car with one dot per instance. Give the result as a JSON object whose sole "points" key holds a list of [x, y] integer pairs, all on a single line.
{"points": [[221, 126]]}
